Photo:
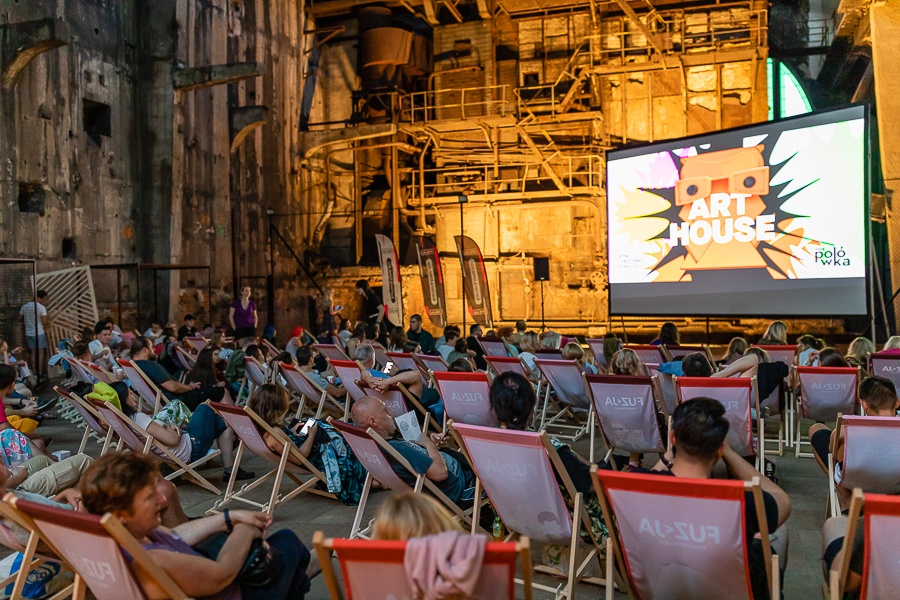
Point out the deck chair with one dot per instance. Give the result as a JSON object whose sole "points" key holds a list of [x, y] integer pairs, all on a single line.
{"points": [[824, 393], [887, 365], [35, 552], [138, 440], [666, 384], [80, 371], [374, 570], [381, 357], [101, 551], [565, 378], [784, 354], [405, 361], [431, 364], [250, 428], [627, 410], [881, 520], [146, 390], [185, 361], [675, 352], [738, 396], [99, 373], [519, 471], [307, 389], [399, 401], [493, 346], [682, 538], [596, 347], [197, 343], [871, 458], [779, 353], [466, 398], [348, 372], [331, 351], [254, 377], [92, 420], [647, 353], [502, 364], [373, 452], [271, 350]]}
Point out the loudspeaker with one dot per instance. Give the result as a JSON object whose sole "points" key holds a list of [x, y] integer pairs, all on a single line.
{"points": [[541, 268]]}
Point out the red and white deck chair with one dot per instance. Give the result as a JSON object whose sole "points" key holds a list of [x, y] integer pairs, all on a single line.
{"points": [[403, 361], [138, 440], [35, 552], [197, 343], [249, 429], [79, 370], [779, 353], [596, 347], [881, 522], [373, 451], [647, 353], [627, 410], [431, 364], [331, 351], [348, 372], [103, 554], [92, 420], [142, 385], [186, 362], [824, 393], [399, 401], [99, 373], [682, 538], [271, 350], [565, 378], [308, 390], [502, 364], [374, 569], [887, 365], [738, 396], [871, 458], [255, 376], [493, 346], [666, 384], [675, 352], [519, 471], [784, 354], [466, 398]]}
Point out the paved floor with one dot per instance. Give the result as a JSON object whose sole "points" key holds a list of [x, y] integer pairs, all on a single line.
{"points": [[801, 478]]}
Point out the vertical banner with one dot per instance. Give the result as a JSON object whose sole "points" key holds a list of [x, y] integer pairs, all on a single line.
{"points": [[390, 280], [478, 294], [432, 281]]}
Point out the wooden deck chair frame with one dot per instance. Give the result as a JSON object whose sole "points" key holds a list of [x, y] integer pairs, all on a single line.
{"points": [[599, 358], [437, 361], [674, 352], [578, 513], [99, 373], [874, 504], [493, 343], [731, 382], [565, 409], [247, 381], [34, 552], [289, 371], [88, 413], [332, 351], [657, 397], [185, 360], [289, 451], [326, 547], [158, 399], [678, 487], [799, 439], [408, 362], [81, 372], [408, 398], [108, 525], [147, 447], [422, 482], [196, 342], [271, 350], [645, 351], [451, 377]]}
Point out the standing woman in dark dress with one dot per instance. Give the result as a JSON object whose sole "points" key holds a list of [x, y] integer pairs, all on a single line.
{"points": [[373, 310], [243, 316], [329, 313]]}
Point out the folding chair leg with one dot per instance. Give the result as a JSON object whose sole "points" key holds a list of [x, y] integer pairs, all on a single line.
{"points": [[591, 426], [476, 510], [776, 578], [610, 560], [79, 588], [25, 568], [363, 499], [234, 471], [573, 544], [546, 405], [84, 439], [273, 500]]}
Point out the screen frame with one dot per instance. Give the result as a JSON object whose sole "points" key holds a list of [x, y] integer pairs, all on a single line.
{"points": [[822, 116]]}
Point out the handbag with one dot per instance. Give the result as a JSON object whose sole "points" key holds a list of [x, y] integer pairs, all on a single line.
{"points": [[262, 565]]}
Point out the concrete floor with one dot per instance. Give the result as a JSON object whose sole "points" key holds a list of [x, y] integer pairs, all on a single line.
{"points": [[801, 478]]}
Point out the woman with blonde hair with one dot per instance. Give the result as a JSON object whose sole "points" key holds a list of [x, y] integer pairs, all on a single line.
{"points": [[410, 515], [892, 345], [626, 362], [859, 352], [574, 351], [528, 346], [736, 349], [775, 335]]}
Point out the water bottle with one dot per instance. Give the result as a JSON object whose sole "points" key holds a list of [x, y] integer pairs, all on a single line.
{"points": [[497, 530]]}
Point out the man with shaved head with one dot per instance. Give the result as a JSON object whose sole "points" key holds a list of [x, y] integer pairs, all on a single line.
{"points": [[444, 467]]}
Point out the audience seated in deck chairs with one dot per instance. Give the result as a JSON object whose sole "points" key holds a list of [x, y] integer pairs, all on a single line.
{"points": [[574, 351], [192, 443], [697, 444], [447, 468], [321, 444], [127, 485], [431, 397], [304, 363], [234, 370], [409, 515], [859, 353], [205, 372], [380, 381], [193, 395], [878, 397]]}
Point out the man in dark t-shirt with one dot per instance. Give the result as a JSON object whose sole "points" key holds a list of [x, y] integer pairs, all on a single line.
{"points": [[445, 470], [697, 441], [373, 311]]}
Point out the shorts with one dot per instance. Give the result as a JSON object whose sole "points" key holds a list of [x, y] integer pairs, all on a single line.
{"points": [[244, 332], [195, 398], [41, 341]]}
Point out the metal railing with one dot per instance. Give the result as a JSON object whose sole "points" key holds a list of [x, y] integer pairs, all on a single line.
{"points": [[458, 104]]}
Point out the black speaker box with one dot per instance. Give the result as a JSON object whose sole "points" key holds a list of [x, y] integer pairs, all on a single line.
{"points": [[541, 269]]}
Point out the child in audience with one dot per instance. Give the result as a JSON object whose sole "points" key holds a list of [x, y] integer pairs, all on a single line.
{"points": [[409, 515]]}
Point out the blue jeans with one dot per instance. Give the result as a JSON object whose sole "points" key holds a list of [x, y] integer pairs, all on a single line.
{"points": [[292, 582], [205, 426]]}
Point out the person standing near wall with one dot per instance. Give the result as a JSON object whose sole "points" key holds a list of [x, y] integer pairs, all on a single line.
{"points": [[242, 316], [35, 336], [373, 310]]}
